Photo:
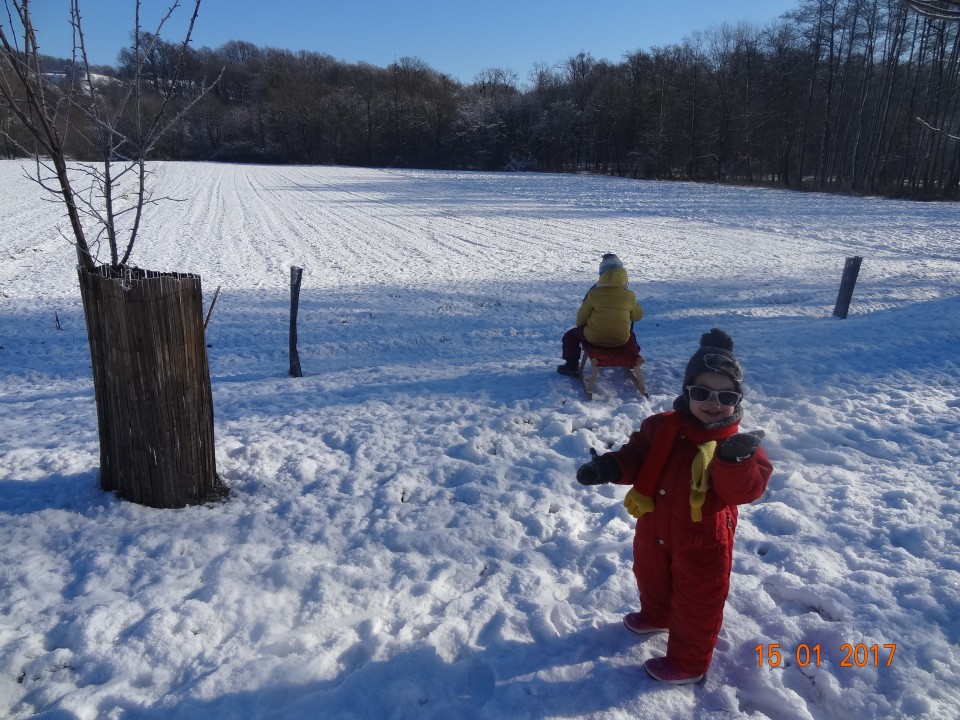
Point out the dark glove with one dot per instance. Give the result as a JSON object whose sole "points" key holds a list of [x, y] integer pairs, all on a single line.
{"points": [[740, 446], [601, 469]]}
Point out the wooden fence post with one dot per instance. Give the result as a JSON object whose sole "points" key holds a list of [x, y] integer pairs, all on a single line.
{"points": [[296, 274], [850, 271]]}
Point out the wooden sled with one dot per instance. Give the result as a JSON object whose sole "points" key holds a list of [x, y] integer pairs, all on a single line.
{"points": [[625, 356]]}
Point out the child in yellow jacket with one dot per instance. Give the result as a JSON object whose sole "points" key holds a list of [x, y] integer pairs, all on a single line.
{"points": [[605, 316]]}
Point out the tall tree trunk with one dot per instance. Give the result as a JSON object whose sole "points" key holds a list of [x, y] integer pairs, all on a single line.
{"points": [[152, 386]]}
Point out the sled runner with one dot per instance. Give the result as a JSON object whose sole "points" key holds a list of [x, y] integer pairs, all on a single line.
{"points": [[625, 356]]}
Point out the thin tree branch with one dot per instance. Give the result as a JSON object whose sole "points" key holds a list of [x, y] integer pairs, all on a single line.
{"points": [[25, 66], [936, 130], [937, 9]]}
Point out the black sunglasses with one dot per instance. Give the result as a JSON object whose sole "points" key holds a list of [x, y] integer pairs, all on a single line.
{"points": [[724, 397]]}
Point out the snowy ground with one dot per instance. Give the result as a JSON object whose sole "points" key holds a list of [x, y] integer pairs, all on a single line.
{"points": [[404, 536]]}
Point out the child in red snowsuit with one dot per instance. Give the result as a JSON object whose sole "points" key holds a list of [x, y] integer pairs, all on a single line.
{"points": [[689, 469]]}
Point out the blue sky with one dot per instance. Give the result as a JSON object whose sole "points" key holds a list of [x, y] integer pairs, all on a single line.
{"points": [[457, 38]]}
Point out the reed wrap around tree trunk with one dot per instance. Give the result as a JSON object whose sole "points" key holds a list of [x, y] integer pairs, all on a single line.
{"points": [[152, 385]]}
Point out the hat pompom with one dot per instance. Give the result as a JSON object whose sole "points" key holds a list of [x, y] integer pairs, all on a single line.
{"points": [[717, 338]]}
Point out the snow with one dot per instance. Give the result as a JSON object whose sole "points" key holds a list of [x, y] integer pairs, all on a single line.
{"points": [[404, 536]]}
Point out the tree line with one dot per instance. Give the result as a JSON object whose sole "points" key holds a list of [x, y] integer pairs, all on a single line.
{"points": [[838, 95]]}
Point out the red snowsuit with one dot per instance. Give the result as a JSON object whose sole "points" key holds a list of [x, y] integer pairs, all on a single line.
{"points": [[683, 567]]}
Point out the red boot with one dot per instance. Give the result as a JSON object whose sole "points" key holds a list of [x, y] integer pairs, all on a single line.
{"points": [[660, 668], [636, 624]]}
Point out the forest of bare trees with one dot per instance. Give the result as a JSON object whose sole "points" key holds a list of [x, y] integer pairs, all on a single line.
{"points": [[841, 95]]}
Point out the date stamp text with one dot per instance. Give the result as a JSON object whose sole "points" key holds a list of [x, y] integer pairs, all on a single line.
{"points": [[852, 655]]}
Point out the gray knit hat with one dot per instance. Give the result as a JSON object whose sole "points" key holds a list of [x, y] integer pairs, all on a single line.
{"points": [[715, 355], [608, 262]]}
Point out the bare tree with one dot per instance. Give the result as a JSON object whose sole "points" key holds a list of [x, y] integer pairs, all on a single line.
{"points": [[104, 199], [948, 10], [148, 354]]}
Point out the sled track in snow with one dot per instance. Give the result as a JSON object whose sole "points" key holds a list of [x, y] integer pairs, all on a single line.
{"points": [[353, 227]]}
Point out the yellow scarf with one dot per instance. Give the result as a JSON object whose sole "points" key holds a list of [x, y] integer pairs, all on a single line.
{"points": [[639, 505], [639, 500], [700, 478]]}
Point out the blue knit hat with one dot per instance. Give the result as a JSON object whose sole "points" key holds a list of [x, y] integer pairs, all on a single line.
{"points": [[608, 262]]}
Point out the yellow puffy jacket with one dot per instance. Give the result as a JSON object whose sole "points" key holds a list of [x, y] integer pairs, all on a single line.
{"points": [[608, 309]]}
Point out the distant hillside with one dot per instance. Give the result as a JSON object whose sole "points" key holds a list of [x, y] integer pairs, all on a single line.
{"points": [[54, 65]]}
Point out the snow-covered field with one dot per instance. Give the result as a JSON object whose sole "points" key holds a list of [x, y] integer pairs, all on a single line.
{"points": [[404, 537]]}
